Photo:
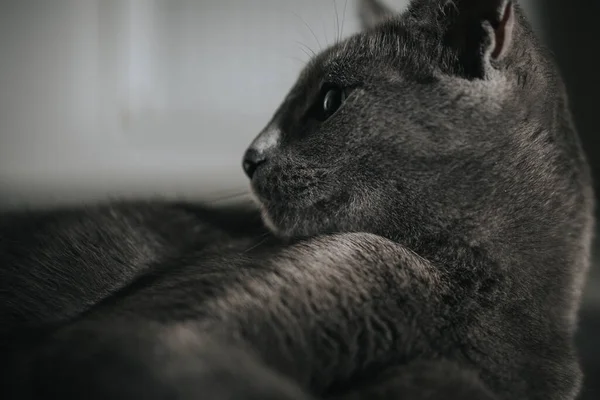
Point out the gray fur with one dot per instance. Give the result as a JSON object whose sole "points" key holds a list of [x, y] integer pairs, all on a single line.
{"points": [[430, 241]]}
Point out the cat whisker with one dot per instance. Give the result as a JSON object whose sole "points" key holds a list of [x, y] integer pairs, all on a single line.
{"points": [[263, 238], [232, 196], [310, 29], [344, 18], [325, 33], [307, 50], [337, 22]]}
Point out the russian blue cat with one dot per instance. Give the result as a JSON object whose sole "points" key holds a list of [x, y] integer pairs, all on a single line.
{"points": [[427, 217]]}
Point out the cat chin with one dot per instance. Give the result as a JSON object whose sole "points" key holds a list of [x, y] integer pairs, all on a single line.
{"points": [[268, 221], [286, 222], [277, 228], [264, 213], [294, 223], [279, 231]]}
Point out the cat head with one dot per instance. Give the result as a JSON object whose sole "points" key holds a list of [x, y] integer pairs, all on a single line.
{"points": [[447, 117]]}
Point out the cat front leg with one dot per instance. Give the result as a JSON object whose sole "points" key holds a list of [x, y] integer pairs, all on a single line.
{"points": [[326, 311], [59, 264], [141, 359]]}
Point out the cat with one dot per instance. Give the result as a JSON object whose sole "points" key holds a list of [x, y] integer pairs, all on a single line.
{"points": [[427, 214]]}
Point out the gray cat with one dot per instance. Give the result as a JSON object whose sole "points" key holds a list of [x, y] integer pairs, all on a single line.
{"points": [[430, 215]]}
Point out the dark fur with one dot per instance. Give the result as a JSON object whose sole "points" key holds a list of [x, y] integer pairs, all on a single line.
{"points": [[430, 242]]}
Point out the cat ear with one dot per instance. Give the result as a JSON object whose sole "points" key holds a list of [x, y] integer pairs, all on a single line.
{"points": [[503, 30], [373, 12], [480, 31]]}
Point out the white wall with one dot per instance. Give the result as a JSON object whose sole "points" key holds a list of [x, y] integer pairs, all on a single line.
{"points": [[138, 97]]}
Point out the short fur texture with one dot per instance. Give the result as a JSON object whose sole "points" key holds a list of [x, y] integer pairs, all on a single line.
{"points": [[428, 241]]}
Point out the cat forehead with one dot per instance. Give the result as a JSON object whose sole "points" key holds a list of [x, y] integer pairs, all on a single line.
{"points": [[390, 44], [376, 44]]}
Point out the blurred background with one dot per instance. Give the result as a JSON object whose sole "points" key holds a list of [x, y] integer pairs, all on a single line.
{"points": [[136, 98]]}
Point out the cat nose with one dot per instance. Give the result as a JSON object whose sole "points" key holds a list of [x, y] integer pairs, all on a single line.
{"points": [[252, 159], [260, 150]]}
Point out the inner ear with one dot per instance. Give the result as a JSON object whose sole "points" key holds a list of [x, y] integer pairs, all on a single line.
{"points": [[478, 31], [503, 32]]}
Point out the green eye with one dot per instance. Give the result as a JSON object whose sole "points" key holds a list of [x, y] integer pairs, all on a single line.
{"points": [[330, 100]]}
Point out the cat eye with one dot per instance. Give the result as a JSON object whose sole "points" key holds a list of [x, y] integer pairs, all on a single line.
{"points": [[329, 101]]}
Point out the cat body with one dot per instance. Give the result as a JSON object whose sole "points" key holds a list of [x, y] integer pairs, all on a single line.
{"points": [[429, 214]]}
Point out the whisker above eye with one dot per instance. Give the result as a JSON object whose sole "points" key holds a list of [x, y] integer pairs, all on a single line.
{"points": [[305, 46], [306, 50], [310, 29], [337, 22], [344, 18]]}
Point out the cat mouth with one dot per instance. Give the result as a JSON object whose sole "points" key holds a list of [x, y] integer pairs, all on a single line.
{"points": [[264, 211], [277, 211], [289, 195], [294, 186], [302, 198], [311, 209]]}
